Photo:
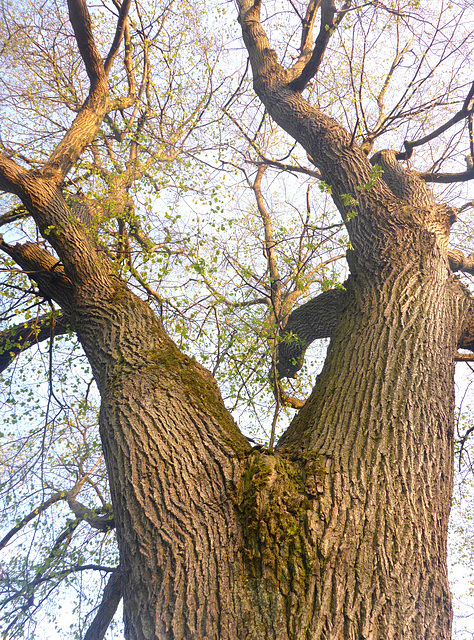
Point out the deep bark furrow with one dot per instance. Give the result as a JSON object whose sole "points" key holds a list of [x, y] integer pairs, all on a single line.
{"points": [[182, 536]]}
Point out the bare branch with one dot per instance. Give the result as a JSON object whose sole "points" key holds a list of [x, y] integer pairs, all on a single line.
{"points": [[447, 178], [466, 205], [56, 497], [285, 398], [269, 247], [330, 19], [16, 214], [120, 30], [382, 119], [464, 357], [459, 262], [44, 574], [288, 167], [107, 608], [464, 112]]}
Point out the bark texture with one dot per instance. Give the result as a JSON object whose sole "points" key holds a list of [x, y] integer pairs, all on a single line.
{"points": [[381, 414], [340, 534]]}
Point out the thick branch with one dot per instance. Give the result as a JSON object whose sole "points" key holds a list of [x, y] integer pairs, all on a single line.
{"points": [[11, 175], [263, 59], [448, 178], [107, 608], [59, 224], [82, 25], [120, 30], [16, 340], [91, 516], [82, 131], [466, 340], [330, 19], [459, 262], [84, 128], [42, 268], [307, 30], [314, 320], [343, 164]]}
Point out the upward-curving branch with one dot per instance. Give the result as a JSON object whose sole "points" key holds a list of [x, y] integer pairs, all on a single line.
{"points": [[86, 124], [330, 20]]}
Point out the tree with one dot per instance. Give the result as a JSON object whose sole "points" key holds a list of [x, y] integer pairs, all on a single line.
{"points": [[339, 531]]}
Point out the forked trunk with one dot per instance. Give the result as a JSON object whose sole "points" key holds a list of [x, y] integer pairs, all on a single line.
{"points": [[338, 535]]}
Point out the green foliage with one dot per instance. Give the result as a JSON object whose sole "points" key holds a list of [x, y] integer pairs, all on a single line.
{"points": [[50, 446], [375, 173]]}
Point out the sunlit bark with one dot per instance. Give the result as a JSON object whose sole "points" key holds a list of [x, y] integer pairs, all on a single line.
{"points": [[340, 532]]}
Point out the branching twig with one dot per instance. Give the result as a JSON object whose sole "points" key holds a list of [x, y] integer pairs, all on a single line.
{"points": [[56, 497], [463, 113]]}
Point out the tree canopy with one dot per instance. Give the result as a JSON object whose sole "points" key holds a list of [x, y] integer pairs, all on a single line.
{"points": [[182, 188]]}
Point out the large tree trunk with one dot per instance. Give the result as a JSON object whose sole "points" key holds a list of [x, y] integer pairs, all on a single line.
{"points": [[340, 533], [382, 413], [172, 453]]}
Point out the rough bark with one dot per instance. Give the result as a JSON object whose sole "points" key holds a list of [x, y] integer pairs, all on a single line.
{"points": [[381, 414], [341, 533], [170, 449]]}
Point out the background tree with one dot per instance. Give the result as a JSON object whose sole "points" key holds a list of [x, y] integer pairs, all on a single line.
{"points": [[217, 539]]}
